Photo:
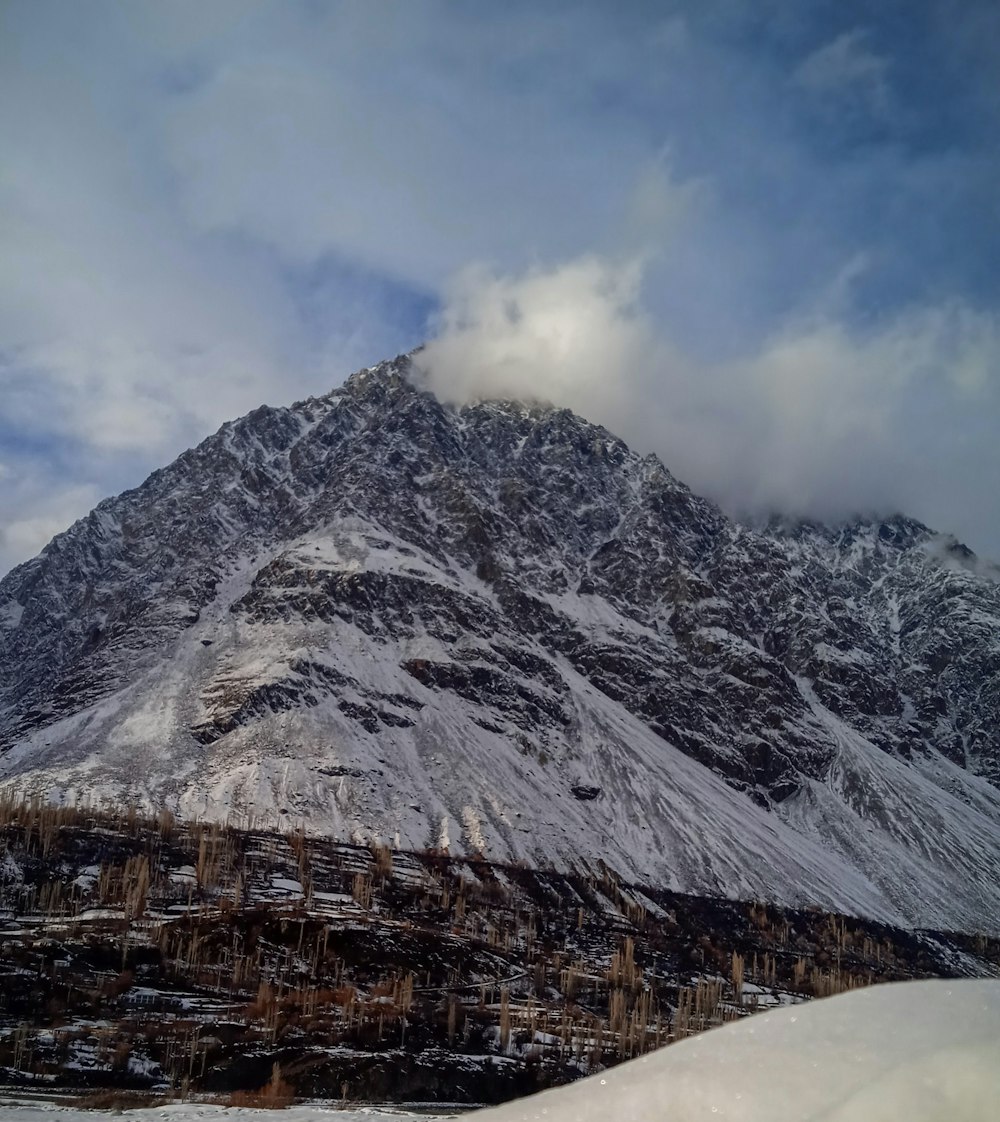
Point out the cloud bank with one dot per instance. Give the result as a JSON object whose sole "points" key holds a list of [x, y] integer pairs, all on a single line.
{"points": [[819, 421]]}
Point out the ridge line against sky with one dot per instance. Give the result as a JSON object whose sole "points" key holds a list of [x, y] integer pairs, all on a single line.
{"points": [[759, 239]]}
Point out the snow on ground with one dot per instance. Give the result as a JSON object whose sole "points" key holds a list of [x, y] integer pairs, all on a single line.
{"points": [[15, 1111], [906, 1052]]}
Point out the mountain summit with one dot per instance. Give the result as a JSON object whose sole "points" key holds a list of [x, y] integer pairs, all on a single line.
{"points": [[496, 628]]}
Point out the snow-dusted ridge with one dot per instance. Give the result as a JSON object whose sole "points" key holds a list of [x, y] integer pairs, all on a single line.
{"points": [[388, 617]]}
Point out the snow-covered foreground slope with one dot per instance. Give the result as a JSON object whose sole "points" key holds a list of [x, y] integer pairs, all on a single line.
{"points": [[498, 629], [913, 1051], [21, 1111]]}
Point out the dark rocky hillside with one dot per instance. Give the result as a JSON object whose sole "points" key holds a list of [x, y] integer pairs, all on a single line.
{"points": [[146, 955]]}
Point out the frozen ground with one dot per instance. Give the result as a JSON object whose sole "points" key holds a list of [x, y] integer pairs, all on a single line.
{"points": [[19, 1111], [914, 1051]]}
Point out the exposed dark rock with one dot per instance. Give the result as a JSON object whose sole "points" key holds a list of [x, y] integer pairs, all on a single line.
{"points": [[584, 793]]}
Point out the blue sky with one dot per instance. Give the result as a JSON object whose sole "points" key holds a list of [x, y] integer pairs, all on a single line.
{"points": [[759, 239]]}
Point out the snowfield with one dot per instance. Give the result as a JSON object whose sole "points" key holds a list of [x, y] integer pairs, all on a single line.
{"points": [[907, 1052]]}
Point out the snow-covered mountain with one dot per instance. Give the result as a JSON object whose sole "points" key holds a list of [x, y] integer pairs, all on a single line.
{"points": [[495, 627]]}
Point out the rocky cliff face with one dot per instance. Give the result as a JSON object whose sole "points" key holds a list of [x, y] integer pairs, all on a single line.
{"points": [[498, 628]]}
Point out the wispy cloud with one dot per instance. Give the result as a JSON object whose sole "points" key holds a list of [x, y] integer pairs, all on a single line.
{"points": [[846, 68]]}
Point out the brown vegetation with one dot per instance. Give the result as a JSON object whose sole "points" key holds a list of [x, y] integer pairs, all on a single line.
{"points": [[256, 965]]}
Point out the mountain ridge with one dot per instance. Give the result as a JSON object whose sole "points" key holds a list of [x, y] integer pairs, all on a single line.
{"points": [[395, 618]]}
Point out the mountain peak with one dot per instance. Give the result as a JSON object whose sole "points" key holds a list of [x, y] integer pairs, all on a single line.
{"points": [[391, 617], [390, 375]]}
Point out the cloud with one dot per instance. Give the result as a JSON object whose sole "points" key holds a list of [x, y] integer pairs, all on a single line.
{"points": [[871, 419], [553, 334], [847, 70], [112, 319], [821, 420], [126, 332], [412, 165]]}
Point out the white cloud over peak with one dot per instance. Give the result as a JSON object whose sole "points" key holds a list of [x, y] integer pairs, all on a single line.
{"points": [[820, 420], [563, 335]]}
